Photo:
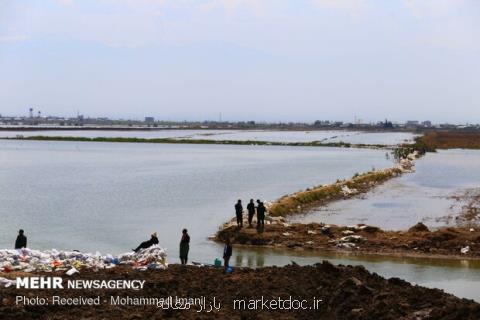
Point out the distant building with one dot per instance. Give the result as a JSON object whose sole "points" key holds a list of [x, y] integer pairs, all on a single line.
{"points": [[321, 123], [427, 124], [412, 123], [387, 124], [149, 119]]}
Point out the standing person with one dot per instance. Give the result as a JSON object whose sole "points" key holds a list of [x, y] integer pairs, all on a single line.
{"points": [[147, 244], [239, 213], [21, 241], [227, 253], [184, 246], [251, 212], [260, 214]]}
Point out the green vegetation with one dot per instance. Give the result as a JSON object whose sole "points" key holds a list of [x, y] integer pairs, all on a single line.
{"points": [[420, 146], [321, 195]]}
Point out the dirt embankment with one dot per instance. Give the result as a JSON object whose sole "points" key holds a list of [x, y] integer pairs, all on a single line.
{"points": [[346, 293], [418, 241], [302, 201]]}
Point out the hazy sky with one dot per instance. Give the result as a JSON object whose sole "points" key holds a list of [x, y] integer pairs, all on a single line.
{"points": [[265, 60]]}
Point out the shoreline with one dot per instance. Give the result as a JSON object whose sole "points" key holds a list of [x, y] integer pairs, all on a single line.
{"points": [[361, 253], [202, 141], [417, 242], [303, 201]]}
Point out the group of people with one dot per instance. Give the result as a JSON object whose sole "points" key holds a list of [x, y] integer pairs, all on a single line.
{"points": [[185, 248], [251, 209], [21, 241]]}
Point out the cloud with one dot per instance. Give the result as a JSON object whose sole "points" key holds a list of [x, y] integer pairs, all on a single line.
{"points": [[446, 23], [353, 7], [64, 2], [14, 38]]}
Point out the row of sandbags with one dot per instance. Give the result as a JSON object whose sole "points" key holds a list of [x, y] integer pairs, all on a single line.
{"points": [[28, 260]]}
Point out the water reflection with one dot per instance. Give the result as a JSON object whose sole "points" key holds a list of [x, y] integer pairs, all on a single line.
{"points": [[425, 195], [459, 277], [325, 136]]}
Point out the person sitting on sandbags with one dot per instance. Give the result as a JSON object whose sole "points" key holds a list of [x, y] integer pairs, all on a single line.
{"points": [[147, 244], [21, 241]]}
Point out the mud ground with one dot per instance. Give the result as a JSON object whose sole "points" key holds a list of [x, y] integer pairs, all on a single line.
{"points": [[346, 292], [415, 242]]}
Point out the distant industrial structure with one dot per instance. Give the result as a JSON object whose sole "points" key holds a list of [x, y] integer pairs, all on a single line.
{"points": [[35, 120], [149, 120]]}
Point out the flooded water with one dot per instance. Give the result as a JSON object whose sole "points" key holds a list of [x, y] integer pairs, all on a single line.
{"points": [[356, 137], [458, 277], [325, 136], [145, 134], [110, 196], [425, 195]]}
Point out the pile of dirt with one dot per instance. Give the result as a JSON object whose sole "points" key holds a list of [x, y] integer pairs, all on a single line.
{"points": [[459, 242], [345, 292]]}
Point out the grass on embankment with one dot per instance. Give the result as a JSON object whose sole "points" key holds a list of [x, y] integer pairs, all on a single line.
{"points": [[303, 200], [198, 141]]}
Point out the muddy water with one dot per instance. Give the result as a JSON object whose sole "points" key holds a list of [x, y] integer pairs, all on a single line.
{"points": [[425, 195], [109, 197], [459, 277]]}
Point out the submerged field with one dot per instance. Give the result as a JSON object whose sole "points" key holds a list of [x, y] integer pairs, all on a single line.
{"points": [[434, 194], [109, 196], [320, 136]]}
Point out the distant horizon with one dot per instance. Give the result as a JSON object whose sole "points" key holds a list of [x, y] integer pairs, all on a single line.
{"points": [[157, 119]]}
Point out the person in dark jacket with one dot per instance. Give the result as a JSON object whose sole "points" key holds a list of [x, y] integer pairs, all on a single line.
{"points": [[147, 244], [21, 241], [239, 213], [227, 253], [251, 211], [184, 246], [260, 214]]}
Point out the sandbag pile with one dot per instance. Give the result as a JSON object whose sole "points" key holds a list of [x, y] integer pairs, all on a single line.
{"points": [[154, 257], [28, 260]]}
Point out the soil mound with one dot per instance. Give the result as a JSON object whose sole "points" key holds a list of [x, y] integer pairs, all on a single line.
{"points": [[419, 227], [345, 292]]}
